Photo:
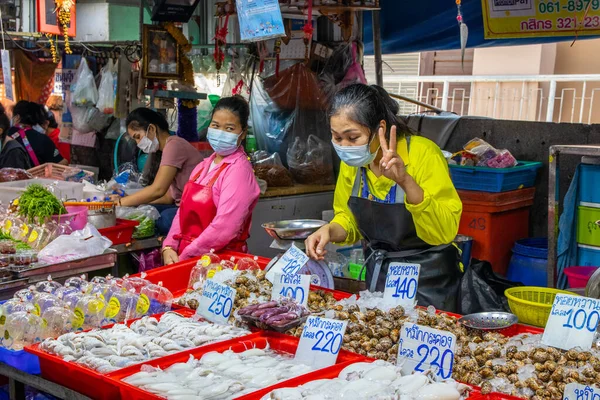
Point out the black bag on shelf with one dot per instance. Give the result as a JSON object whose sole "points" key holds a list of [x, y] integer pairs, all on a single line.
{"points": [[482, 290]]}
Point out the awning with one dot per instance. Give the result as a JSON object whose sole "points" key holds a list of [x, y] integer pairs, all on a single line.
{"points": [[427, 25]]}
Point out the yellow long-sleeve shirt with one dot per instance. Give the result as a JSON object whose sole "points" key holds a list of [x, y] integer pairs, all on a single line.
{"points": [[436, 218]]}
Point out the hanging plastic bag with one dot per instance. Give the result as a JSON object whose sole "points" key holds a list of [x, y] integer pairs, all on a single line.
{"points": [[106, 91], [311, 163], [296, 88], [482, 290], [83, 88], [342, 69]]}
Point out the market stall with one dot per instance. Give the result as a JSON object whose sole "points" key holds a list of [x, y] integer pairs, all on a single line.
{"points": [[248, 358]]}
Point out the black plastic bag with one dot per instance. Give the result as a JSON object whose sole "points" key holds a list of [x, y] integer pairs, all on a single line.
{"points": [[482, 290]]}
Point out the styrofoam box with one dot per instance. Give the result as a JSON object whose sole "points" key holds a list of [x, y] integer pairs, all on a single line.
{"points": [[64, 190]]}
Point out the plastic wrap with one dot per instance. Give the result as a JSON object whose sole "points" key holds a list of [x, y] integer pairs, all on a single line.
{"points": [[296, 87], [83, 88], [89, 119], [14, 174], [311, 163], [148, 260], [487, 155], [87, 242]]}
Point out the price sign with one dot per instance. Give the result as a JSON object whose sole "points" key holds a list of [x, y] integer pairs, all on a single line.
{"points": [[401, 284], [422, 348], [289, 263], [294, 286], [572, 323], [321, 341], [576, 391], [216, 302]]}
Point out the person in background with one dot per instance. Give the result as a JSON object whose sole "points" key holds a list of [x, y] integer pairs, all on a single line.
{"points": [[217, 203], [12, 154], [150, 130], [53, 132], [26, 119]]}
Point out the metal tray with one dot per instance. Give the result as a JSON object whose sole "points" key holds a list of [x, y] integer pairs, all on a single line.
{"points": [[298, 229], [73, 267], [489, 321]]}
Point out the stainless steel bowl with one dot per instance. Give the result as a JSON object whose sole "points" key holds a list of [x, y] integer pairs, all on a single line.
{"points": [[298, 229], [489, 321]]}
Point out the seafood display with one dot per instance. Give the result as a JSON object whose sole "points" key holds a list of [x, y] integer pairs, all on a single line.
{"points": [[107, 350], [216, 375], [276, 314], [377, 380]]}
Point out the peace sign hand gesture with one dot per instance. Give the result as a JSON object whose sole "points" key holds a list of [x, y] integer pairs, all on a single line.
{"points": [[391, 164]]}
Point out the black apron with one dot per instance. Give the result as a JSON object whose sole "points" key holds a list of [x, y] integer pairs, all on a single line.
{"points": [[390, 235]]}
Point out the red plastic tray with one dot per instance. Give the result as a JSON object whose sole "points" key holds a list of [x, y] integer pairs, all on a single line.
{"points": [[278, 342], [120, 233], [87, 381]]}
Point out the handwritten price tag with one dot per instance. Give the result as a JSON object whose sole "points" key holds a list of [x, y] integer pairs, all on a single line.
{"points": [[321, 341], [289, 263], [425, 348], [576, 391], [293, 286], [216, 302], [572, 323], [401, 284]]}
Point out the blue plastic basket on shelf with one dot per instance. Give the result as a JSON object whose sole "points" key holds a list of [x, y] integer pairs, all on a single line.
{"points": [[20, 359], [496, 180]]}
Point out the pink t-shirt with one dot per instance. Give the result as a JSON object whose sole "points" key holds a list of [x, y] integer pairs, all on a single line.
{"points": [[180, 154]]}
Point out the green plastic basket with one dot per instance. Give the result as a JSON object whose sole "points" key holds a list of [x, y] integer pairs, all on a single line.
{"points": [[354, 270]]}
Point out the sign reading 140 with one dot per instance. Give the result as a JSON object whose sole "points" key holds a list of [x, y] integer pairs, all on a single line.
{"points": [[401, 283]]}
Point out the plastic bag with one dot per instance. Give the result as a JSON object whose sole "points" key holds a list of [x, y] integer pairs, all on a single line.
{"points": [[87, 242], [204, 114], [106, 91], [342, 69], [270, 169], [14, 174], [482, 290], [296, 87], [311, 163], [487, 155], [147, 260], [147, 217], [89, 119], [83, 88]]}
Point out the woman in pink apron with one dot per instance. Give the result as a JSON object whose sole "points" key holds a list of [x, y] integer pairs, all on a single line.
{"points": [[217, 202]]}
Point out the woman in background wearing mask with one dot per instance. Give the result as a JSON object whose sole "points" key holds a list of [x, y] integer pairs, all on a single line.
{"points": [[12, 154], [52, 130], [394, 191], [150, 130], [217, 203], [27, 117]]}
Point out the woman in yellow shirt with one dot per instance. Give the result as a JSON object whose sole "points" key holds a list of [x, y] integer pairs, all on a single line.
{"points": [[394, 191]]}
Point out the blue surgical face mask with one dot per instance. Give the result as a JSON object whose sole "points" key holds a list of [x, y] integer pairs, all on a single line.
{"points": [[355, 156], [223, 143]]}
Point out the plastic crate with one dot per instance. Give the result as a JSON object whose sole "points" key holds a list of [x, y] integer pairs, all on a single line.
{"points": [[60, 172], [495, 180], [275, 341], [589, 191], [121, 232], [87, 381], [588, 256]]}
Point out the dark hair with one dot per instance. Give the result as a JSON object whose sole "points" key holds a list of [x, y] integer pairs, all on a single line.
{"points": [[368, 106], [236, 105], [51, 120], [142, 118], [28, 112], [4, 123]]}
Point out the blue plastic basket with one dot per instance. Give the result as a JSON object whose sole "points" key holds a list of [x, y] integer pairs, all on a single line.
{"points": [[495, 180], [589, 191]]}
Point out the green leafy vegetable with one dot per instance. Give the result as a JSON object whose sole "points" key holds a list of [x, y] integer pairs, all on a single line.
{"points": [[146, 227], [38, 203]]}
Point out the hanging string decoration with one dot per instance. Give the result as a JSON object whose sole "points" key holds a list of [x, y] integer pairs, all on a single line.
{"points": [[308, 29], [464, 32], [220, 42], [263, 52], [53, 50], [63, 12], [184, 48], [187, 121]]}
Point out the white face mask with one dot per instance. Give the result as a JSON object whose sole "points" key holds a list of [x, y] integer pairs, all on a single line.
{"points": [[223, 143], [148, 146], [355, 156], [39, 129]]}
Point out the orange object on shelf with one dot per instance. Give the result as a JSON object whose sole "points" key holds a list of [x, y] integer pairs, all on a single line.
{"points": [[495, 221]]}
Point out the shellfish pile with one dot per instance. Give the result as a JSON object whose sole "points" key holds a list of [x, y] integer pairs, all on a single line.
{"points": [[107, 350], [219, 375], [379, 380]]}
